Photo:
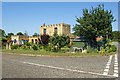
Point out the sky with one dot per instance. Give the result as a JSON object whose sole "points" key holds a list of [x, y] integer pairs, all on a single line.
{"points": [[29, 16]]}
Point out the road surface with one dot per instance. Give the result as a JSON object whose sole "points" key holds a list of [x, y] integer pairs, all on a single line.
{"points": [[21, 66]]}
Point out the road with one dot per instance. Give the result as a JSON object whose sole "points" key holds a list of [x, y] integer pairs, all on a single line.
{"points": [[21, 66]]}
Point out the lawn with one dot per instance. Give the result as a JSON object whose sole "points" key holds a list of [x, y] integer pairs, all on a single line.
{"points": [[47, 53]]}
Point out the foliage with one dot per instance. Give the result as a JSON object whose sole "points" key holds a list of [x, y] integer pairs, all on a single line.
{"points": [[35, 47], [35, 35], [94, 22], [4, 40], [15, 46], [28, 44], [10, 34], [24, 47], [91, 50], [2, 33], [113, 48], [44, 39], [57, 42], [108, 48], [20, 33], [47, 48], [115, 36]]}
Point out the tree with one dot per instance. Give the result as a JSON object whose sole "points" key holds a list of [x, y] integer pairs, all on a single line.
{"points": [[35, 35], [2, 33], [94, 22], [116, 35], [10, 34], [19, 33], [2, 38], [58, 42], [44, 39]]}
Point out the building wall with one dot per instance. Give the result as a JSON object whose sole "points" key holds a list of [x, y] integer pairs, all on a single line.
{"points": [[19, 39], [34, 40], [15, 37]]}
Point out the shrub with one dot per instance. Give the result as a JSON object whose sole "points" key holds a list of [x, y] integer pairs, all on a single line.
{"points": [[48, 48], [28, 44], [108, 48], [24, 47], [91, 50], [102, 51], [14, 46], [35, 47], [113, 48]]}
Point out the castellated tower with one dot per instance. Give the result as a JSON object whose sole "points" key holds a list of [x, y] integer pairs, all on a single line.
{"points": [[60, 29]]}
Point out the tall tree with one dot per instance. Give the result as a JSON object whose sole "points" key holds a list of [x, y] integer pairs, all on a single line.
{"points": [[35, 35], [20, 33], [94, 22]]}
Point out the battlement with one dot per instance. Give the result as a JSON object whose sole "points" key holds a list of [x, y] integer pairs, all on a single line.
{"points": [[55, 25]]}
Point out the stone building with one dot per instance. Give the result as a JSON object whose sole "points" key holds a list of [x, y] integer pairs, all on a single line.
{"points": [[60, 29]]}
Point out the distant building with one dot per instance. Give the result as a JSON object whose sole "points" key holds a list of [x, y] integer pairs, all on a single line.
{"points": [[60, 29], [34, 40], [19, 39]]}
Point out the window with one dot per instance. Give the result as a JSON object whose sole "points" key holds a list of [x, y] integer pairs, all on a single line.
{"points": [[35, 41], [55, 30], [44, 31]]}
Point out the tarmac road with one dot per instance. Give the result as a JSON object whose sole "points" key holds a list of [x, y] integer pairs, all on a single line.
{"points": [[21, 66]]}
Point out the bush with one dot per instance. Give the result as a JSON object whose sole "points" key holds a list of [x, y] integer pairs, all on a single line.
{"points": [[28, 44], [35, 47], [102, 51], [14, 46], [108, 48], [92, 50], [48, 48], [113, 48], [24, 47]]}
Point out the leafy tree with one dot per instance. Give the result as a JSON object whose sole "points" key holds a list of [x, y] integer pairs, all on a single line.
{"points": [[44, 39], [35, 35], [2, 33], [2, 38], [94, 22], [58, 42], [116, 35], [10, 34], [20, 33]]}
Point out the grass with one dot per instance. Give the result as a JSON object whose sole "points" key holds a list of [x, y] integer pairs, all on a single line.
{"points": [[47, 53]]}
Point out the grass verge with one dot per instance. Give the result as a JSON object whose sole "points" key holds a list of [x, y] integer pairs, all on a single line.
{"points": [[47, 53]]}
